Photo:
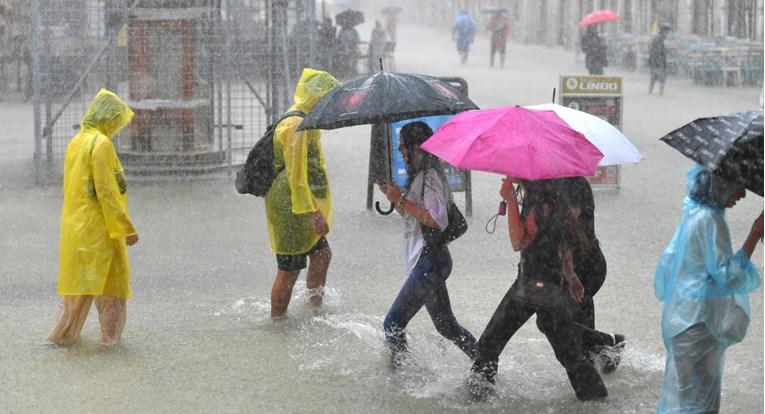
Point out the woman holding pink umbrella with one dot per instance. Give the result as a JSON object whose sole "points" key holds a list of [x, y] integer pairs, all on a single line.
{"points": [[546, 286]]}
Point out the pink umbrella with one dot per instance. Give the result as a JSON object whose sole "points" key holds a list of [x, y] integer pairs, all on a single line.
{"points": [[599, 16], [514, 141]]}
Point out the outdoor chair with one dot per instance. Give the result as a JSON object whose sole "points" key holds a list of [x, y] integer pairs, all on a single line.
{"points": [[710, 71], [752, 69], [731, 70]]}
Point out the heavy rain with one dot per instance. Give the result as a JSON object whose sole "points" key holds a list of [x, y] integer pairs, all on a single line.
{"points": [[205, 79]]}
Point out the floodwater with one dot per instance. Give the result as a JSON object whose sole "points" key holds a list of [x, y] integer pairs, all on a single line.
{"points": [[199, 337]]}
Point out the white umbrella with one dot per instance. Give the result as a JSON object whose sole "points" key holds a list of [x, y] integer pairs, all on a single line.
{"points": [[616, 148]]}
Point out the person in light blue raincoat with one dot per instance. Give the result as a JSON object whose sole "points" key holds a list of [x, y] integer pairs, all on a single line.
{"points": [[463, 32], [704, 286]]}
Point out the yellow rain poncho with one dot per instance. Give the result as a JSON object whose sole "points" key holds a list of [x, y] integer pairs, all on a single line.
{"points": [[301, 186], [94, 218]]}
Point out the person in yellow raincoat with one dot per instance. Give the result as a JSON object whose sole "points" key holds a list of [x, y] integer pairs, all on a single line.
{"points": [[299, 202], [95, 226]]}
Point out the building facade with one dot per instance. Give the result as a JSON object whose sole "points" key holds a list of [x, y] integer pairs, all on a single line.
{"points": [[554, 22]]}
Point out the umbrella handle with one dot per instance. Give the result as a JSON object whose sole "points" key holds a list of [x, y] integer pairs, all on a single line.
{"points": [[384, 213]]}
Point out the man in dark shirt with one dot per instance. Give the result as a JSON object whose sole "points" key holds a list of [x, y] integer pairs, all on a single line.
{"points": [[657, 60]]}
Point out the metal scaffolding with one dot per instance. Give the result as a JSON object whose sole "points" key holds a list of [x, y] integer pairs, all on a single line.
{"points": [[204, 77]]}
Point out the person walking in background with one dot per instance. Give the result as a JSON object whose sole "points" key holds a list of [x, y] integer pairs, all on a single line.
{"points": [[463, 32], [377, 41], [499, 27], [348, 54], [325, 45], [391, 24], [542, 233], [704, 286], [424, 202], [595, 51], [95, 226], [299, 202], [657, 60]]}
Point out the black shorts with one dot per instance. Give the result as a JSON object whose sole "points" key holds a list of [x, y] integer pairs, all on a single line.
{"points": [[293, 262]]}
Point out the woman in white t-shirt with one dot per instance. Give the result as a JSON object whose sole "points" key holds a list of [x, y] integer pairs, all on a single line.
{"points": [[424, 202]]}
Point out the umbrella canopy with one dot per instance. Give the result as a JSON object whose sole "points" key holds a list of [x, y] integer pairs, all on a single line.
{"points": [[391, 10], [616, 148], [493, 10], [385, 98], [514, 141], [729, 145], [349, 18], [599, 16]]}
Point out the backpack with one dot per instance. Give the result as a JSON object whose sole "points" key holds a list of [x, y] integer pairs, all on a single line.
{"points": [[257, 174]]}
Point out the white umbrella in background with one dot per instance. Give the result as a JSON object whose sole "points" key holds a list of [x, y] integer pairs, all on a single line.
{"points": [[616, 148]]}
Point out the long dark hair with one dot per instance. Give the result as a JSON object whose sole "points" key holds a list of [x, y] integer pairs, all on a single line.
{"points": [[412, 135], [551, 193]]}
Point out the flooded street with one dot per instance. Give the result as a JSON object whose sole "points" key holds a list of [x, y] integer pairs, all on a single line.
{"points": [[199, 337]]}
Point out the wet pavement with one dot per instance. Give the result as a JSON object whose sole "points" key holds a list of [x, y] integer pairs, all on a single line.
{"points": [[199, 338]]}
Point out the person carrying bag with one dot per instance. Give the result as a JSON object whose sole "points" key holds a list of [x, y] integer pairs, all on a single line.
{"points": [[431, 222], [546, 286]]}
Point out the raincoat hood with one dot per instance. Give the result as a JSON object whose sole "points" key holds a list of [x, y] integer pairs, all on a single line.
{"points": [[706, 188], [107, 113], [313, 84]]}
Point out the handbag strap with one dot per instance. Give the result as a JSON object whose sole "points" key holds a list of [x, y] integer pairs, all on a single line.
{"points": [[447, 192]]}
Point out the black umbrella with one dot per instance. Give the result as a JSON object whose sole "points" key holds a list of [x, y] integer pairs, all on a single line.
{"points": [[730, 145], [391, 10], [384, 98], [349, 18]]}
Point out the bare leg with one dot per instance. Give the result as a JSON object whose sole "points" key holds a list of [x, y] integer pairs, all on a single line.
{"points": [[661, 88], [502, 59], [281, 292], [73, 310], [112, 314], [650, 86], [317, 274]]}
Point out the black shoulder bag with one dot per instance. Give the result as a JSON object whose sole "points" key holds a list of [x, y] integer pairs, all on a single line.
{"points": [[538, 293], [457, 225]]}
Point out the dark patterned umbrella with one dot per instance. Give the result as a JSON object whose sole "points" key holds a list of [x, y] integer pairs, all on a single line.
{"points": [[349, 18], [730, 145], [384, 98]]}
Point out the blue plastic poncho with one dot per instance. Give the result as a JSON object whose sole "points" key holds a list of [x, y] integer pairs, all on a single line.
{"points": [[704, 286], [464, 29]]}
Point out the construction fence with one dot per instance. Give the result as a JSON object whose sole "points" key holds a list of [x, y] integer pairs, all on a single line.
{"points": [[204, 77]]}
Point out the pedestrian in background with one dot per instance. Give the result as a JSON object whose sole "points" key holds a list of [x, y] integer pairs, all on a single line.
{"points": [[391, 24], [595, 51], [705, 289], [657, 60], [95, 226], [377, 43], [499, 27], [463, 32], [348, 53], [424, 202], [325, 45], [299, 202]]}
